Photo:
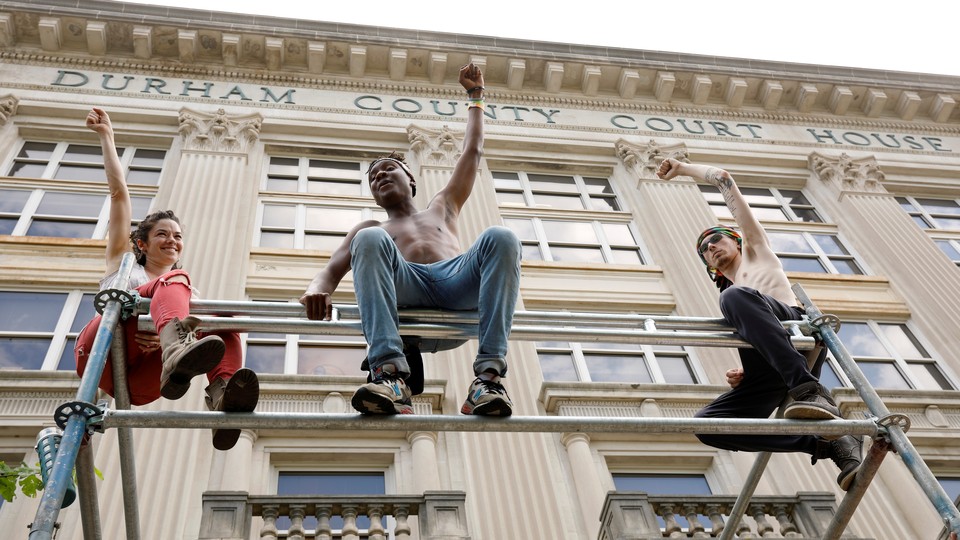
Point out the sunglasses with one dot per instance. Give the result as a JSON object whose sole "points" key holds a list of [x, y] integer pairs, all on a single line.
{"points": [[712, 239]]}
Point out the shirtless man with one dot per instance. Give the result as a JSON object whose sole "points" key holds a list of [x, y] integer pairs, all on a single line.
{"points": [[414, 260], [755, 296]]}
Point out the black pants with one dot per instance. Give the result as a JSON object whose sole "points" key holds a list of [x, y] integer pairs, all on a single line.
{"points": [[770, 369]]}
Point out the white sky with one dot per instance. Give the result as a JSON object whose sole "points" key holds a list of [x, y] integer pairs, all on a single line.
{"points": [[915, 35]]}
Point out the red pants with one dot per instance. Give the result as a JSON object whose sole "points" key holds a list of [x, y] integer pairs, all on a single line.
{"points": [[143, 369]]}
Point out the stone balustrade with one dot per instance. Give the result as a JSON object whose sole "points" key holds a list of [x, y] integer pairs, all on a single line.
{"points": [[638, 516], [228, 515]]}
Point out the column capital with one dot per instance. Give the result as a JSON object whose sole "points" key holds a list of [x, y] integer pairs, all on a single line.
{"points": [[569, 438], [861, 175], [644, 159], [8, 107], [435, 148], [430, 436], [219, 132]]}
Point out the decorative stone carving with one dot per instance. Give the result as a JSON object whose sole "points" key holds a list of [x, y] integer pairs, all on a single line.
{"points": [[645, 159], [435, 148], [8, 107], [862, 175], [219, 132]]}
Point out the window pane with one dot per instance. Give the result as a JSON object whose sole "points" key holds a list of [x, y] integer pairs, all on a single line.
{"points": [[27, 170], [55, 203], [792, 197], [276, 240], [30, 311], [523, 228], [577, 254], [323, 242], [12, 200], [334, 187], [319, 167], [62, 229], [22, 353], [531, 252], [36, 150], [847, 266], [148, 158], [626, 256], [618, 234], [860, 340], [549, 182], [802, 264], [951, 485], [940, 206], [140, 206], [85, 153], [557, 367], [567, 202], [81, 173], [279, 216], [510, 197], [598, 186], [497, 175], [759, 196], [676, 369], [789, 243], [608, 368], [828, 377], [68, 360], [143, 177], [331, 360], [604, 204], [307, 483], [570, 232], [7, 225], [764, 213], [85, 312], [282, 184], [830, 244], [265, 358], [929, 376], [331, 219], [711, 194], [903, 341], [284, 167], [883, 375], [944, 246], [663, 484], [721, 211], [947, 223], [807, 215], [921, 222]]}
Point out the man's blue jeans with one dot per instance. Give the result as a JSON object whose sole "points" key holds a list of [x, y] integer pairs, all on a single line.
{"points": [[486, 278]]}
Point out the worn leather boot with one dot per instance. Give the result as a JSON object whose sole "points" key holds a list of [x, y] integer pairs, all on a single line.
{"points": [[240, 393], [185, 357], [847, 453], [811, 402]]}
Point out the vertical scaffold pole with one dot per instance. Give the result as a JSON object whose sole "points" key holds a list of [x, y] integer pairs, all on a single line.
{"points": [[128, 469], [74, 415], [898, 438]]}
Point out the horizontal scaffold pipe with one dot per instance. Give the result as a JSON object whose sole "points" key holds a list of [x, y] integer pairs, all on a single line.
{"points": [[541, 424], [528, 326]]}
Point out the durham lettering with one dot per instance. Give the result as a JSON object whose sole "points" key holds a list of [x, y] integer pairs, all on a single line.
{"points": [[516, 112], [722, 129], [236, 91], [827, 135], [909, 139], [155, 84], [436, 108], [664, 124], [936, 143], [548, 116], [62, 74], [105, 83], [615, 120], [699, 124], [188, 87], [397, 102], [750, 129], [288, 96], [360, 103]]}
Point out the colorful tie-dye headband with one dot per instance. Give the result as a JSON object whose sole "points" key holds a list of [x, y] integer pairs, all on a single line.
{"points": [[402, 165]]}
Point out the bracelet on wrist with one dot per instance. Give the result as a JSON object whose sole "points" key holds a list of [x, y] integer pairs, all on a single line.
{"points": [[476, 104], [474, 89]]}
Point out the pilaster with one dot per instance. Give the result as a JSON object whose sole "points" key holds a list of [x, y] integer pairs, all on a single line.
{"points": [[215, 194], [588, 487]]}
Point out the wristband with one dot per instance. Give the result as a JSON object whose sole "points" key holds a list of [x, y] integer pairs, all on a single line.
{"points": [[474, 89], [475, 104]]}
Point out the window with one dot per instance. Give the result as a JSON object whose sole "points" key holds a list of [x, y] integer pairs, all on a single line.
{"points": [[930, 213], [950, 248], [555, 191], [587, 241], [321, 176], [330, 483], [68, 196], [310, 226], [890, 356], [950, 484], [38, 330], [306, 355], [766, 203], [813, 252], [616, 362], [665, 484]]}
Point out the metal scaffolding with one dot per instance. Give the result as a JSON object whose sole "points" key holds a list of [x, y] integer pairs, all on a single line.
{"points": [[81, 418]]}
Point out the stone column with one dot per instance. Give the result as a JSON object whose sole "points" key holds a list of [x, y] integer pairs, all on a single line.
{"points": [[236, 465], [852, 191], [589, 490], [426, 476], [215, 196]]}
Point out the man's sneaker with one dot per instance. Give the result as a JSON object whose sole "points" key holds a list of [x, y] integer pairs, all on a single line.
{"points": [[487, 398], [387, 393], [847, 453], [811, 402]]}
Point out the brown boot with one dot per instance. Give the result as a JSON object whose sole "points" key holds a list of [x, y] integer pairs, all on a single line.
{"points": [[185, 357], [240, 393]]}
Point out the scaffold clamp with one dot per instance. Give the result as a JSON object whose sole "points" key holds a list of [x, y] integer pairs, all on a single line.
{"points": [[902, 421], [127, 299], [87, 410], [827, 318]]}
